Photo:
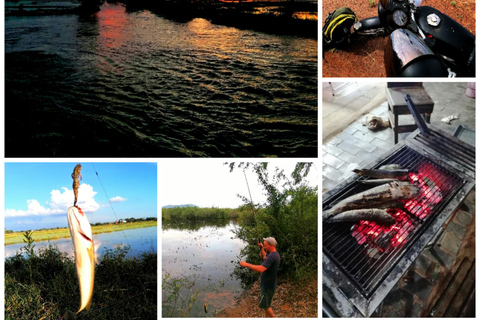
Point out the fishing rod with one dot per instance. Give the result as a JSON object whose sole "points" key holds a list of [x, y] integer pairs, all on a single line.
{"points": [[254, 213], [106, 195]]}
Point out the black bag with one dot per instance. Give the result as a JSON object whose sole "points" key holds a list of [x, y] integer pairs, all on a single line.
{"points": [[336, 29]]}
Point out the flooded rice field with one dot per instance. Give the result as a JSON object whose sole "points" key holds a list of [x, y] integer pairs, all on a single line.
{"points": [[205, 255], [131, 83], [140, 240]]}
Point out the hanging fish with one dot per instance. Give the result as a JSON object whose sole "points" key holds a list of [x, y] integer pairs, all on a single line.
{"points": [[205, 307], [81, 233], [76, 181]]}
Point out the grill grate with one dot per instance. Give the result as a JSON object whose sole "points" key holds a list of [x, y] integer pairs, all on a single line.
{"points": [[456, 151], [366, 252]]}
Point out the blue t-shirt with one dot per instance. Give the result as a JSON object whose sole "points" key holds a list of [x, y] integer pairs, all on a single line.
{"points": [[268, 279]]}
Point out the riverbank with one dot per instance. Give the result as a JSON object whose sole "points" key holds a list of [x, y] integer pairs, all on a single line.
{"points": [[45, 286], [291, 300], [55, 234], [276, 17]]}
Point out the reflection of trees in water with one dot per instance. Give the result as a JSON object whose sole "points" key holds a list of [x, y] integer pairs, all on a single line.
{"points": [[195, 225]]}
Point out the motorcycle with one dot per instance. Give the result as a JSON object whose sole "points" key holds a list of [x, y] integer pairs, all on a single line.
{"points": [[422, 40]]}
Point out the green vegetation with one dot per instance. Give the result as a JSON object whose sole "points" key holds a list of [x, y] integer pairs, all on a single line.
{"points": [[45, 286], [371, 3], [178, 295], [196, 213], [195, 224], [55, 234], [290, 215]]}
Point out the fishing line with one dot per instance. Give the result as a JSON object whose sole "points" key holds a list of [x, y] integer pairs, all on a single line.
{"points": [[280, 232], [108, 198], [253, 207]]}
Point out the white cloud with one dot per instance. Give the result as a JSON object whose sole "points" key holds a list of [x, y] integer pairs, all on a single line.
{"points": [[60, 201], [117, 199]]}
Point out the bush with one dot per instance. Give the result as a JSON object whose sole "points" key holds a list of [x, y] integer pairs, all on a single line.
{"points": [[45, 286], [290, 215], [196, 213]]}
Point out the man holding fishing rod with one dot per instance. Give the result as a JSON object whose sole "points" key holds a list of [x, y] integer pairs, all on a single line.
{"points": [[268, 269]]}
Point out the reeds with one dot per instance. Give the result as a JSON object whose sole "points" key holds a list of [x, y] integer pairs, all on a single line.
{"points": [[45, 286]]}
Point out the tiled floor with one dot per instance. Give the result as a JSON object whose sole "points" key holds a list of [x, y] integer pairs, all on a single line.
{"points": [[356, 146]]}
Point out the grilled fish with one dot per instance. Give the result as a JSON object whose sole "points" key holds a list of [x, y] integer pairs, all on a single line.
{"points": [[81, 233], [377, 182], [401, 174], [371, 198], [380, 216], [394, 204], [392, 166]]}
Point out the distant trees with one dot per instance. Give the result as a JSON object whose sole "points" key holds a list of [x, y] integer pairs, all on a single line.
{"points": [[195, 213], [127, 220]]}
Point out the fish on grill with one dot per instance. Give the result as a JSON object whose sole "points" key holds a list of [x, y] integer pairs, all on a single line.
{"points": [[392, 166], [371, 198], [377, 182], [380, 216], [400, 174]]}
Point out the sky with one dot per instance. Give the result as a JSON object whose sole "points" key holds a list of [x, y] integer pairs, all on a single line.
{"points": [[38, 195], [211, 184]]}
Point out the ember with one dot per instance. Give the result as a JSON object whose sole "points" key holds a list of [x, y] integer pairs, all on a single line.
{"points": [[385, 238]]}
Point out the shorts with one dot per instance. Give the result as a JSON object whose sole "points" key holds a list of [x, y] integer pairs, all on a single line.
{"points": [[266, 296]]}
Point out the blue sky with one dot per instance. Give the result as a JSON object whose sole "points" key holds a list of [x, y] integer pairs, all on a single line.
{"points": [[37, 195]]}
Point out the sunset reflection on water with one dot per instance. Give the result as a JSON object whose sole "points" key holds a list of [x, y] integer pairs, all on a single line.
{"points": [[112, 21]]}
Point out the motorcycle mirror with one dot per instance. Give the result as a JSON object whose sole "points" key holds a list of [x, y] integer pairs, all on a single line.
{"points": [[416, 3]]}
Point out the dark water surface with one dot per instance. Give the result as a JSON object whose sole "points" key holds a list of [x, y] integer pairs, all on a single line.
{"points": [[122, 83]]}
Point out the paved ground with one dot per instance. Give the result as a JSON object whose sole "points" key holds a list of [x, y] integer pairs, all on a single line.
{"points": [[348, 144]]}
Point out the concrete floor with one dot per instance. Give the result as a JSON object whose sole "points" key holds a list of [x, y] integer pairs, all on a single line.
{"points": [[348, 144]]}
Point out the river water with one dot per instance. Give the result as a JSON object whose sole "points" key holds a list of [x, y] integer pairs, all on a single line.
{"points": [[206, 255], [131, 83], [140, 240]]}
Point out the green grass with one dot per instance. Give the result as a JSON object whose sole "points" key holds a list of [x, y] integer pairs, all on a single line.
{"points": [[55, 234], [45, 286]]}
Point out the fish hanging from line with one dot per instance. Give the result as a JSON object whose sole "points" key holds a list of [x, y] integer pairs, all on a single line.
{"points": [[76, 181], [81, 233]]}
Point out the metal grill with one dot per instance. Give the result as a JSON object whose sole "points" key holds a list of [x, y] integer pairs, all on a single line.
{"points": [[457, 151], [366, 252]]}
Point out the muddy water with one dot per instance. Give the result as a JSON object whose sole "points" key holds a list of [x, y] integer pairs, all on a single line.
{"points": [[208, 255]]}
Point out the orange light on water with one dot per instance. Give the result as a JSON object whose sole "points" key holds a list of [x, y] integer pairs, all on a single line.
{"points": [[112, 21]]}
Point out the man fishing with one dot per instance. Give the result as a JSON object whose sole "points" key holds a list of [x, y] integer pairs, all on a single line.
{"points": [[268, 269]]}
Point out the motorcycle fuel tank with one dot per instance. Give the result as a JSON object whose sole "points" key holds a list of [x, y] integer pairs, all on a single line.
{"points": [[447, 37], [406, 55]]}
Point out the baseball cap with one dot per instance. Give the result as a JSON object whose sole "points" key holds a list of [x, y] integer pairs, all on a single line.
{"points": [[271, 240]]}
